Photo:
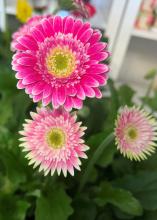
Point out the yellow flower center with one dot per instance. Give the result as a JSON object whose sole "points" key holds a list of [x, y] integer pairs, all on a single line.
{"points": [[56, 138], [132, 133], [60, 62]]}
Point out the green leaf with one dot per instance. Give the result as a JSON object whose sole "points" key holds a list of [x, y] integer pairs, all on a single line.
{"points": [[151, 101], [55, 205], [126, 95], [6, 111], [84, 209], [151, 74], [144, 186], [120, 198], [7, 80], [12, 208], [107, 156], [14, 170], [21, 104]]}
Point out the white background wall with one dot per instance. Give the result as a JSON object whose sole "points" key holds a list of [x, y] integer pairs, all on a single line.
{"points": [[141, 56]]}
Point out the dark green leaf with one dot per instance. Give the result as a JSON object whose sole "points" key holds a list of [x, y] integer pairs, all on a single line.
{"points": [[55, 205], [12, 208], [107, 156], [120, 198], [84, 209], [14, 171], [144, 186], [126, 95]]}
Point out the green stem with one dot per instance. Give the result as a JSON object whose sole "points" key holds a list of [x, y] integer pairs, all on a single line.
{"points": [[93, 160], [148, 92]]}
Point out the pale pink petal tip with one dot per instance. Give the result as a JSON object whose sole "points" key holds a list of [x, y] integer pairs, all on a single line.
{"points": [[53, 141], [59, 61], [136, 133]]}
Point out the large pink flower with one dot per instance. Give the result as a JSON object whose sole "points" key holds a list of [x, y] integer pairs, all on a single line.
{"points": [[135, 133], [26, 28], [53, 141], [58, 62]]}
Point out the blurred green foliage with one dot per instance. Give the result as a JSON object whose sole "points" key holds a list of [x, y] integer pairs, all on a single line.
{"points": [[116, 189]]}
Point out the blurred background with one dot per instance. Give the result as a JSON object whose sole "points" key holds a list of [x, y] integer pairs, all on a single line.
{"points": [[116, 188]]}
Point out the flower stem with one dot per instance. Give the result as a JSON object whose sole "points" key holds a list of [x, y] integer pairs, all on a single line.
{"points": [[148, 92], [94, 158]]}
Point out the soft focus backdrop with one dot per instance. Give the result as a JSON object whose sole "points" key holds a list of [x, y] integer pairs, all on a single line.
{"points": [[116, 188]]}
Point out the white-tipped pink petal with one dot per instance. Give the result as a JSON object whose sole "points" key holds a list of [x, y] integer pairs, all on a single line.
{"points": [[135, 133], [60, 152]]}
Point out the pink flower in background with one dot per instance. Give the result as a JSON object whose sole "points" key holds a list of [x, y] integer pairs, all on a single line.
{"points": [[135, 133], [53, 141], [26, 28], [59, 62], [83, 9]]}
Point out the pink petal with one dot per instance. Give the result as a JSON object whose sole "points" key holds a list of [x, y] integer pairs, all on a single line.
{"points": [[99, 56], [28, 89], [68, 103], [19, 47], [77, 26], [77, 103], [28, 42], [31, 79], [61, 95], [89, 81], [57, 24], [68, 25], [95, 37], [55, 98], [83, 29], [89, 91], [38, 36], [26, 61], [101, 79], [80, 92], [86, 35], [98, 69], [22, 68], [20, 85], [71, 91], [48, 29], [98, 93], [47, 100], [47, 91], [38, 88], [37, 98], [97, 47]]}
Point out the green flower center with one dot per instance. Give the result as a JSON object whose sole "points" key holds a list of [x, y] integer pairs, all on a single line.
{"points": [[132, 133], [56, 138], [60, 62]]}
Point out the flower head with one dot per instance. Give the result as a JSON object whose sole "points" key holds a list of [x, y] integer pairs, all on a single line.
{"points": [[135, 133], [23, 10], [58, 62], [83, 9], [53, 140], [26, 28]]}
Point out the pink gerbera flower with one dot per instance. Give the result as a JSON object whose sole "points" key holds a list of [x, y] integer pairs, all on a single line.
{"points": [[26, 28], [135, 133], [59, 62], [53, 140]]}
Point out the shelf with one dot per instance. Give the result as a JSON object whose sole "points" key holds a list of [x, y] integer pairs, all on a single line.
{"points": [[11, 10], [147, 34]]}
